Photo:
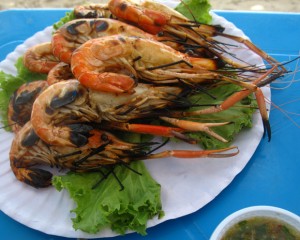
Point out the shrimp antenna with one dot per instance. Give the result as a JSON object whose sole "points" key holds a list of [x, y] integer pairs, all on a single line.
{"points": [[8, 125], [198, 88], [288, 62], [118, 180], [170, 64], [217, 27], [57, 157], [161, 145], [215, 46], [183, 103], [92, 153], [130, 168], [272, 78], [111, 171], [139, 156], [104, 176], [190, 11]]}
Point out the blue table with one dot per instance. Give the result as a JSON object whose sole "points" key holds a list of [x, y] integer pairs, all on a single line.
{"points": [[271, 177]]}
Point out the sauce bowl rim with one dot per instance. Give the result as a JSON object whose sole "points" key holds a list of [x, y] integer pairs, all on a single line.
{"points": [[255, 211]]}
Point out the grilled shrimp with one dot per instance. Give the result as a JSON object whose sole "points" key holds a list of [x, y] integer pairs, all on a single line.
{"points": [[20, 104], [40, 58], [60, 72], [74, 33], [28, 152], [68, 102], [92, 11], [157, 18], [114, 63]]}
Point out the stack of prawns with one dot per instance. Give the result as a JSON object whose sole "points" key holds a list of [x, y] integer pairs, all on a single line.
{"points": [[115, 67]]}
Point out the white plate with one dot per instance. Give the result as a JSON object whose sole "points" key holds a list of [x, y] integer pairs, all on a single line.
{"points": [[48, 210]]}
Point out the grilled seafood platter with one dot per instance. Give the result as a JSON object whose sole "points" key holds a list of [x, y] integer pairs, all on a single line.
{"points": [[131, 68]]}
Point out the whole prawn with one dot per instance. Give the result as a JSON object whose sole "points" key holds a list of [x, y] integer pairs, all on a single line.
{"points": [[114, 63], [76, 32], [28, 153], [65, 103], [157, 18]]}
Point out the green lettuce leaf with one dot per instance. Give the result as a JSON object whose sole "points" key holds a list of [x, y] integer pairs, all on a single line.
{"points": [[239, 116], [195, 10], [109, 206], [10, 83]]}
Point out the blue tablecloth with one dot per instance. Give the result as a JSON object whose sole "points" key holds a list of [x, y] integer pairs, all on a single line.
{"points": [[271, 177]]}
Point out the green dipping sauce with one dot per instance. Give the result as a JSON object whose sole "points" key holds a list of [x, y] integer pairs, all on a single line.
{"points": [[260, 228]]}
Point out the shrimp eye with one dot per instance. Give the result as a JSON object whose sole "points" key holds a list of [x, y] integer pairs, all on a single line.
{"points": [[190, 52], [123, 6], [160, 34], [104, 137]]}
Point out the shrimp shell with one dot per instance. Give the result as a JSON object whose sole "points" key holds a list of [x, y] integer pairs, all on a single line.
{"points": [[40, 58]]}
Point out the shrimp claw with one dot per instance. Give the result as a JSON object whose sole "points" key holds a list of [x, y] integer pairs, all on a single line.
{"points": [[195, 126], [217, 153]]}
